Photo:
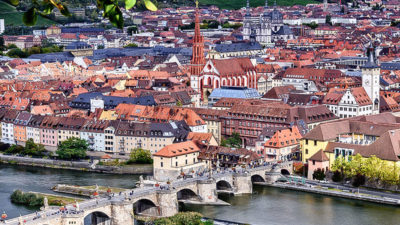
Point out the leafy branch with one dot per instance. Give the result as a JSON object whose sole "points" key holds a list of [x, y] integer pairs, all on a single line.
{"points": [[111, 10]]}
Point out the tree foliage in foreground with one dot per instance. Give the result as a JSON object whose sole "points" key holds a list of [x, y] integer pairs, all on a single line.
{"points": [[111, 9]]}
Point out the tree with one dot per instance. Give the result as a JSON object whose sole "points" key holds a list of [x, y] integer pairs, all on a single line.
{"points": [[319, 174], [131, 45], [4, 147], [179, 103], [337, 176], [11, 46], [233, 142], [16, 53], [312, 25], [33, 149], [15, 149], [141, 156], [358, 180], [132, 30], [100, 47], [111, 9], [72, 148], [328, 19]]}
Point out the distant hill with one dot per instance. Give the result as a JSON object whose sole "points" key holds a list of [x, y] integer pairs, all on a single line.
{"points": [[237, 4], [12, 17]]}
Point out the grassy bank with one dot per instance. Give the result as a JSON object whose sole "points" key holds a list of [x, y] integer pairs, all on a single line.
{"points": [[37, 199]]}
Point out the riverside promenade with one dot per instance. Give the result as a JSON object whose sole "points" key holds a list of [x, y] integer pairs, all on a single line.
{"points": [[340, 191]]}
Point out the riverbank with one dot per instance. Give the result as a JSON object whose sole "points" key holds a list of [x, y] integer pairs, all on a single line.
{"points": [[137, 169], [335, 193], [86, 191]]}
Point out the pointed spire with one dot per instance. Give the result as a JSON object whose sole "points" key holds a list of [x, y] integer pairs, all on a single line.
{"points": [[248, 8], [371, 59], [266, 4], [275, 4]]}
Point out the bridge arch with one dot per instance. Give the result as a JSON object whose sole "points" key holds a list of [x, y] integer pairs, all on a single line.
{"points": [[224, 185], [145, 207], [97, 218], [257, 178], [186, 194], [285, 172]]}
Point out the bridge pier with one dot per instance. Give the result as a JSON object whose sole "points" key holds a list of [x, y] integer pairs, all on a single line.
{"points": [[242, 184], [207, 190], [122, 213], [168, 203]]}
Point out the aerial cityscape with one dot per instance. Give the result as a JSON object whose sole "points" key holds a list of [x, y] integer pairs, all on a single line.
{"points": [[199, 112]]}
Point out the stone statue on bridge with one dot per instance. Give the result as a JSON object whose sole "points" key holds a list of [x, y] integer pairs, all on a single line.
{"points": [[20, 220], [45, 203], [76, 205]]}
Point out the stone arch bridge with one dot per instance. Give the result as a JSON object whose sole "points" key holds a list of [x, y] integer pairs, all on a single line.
{"points": [[155, 202]]}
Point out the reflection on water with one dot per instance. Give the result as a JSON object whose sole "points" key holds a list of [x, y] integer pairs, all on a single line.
{"points": [[43, 179], [276, 206], [266, 206]]}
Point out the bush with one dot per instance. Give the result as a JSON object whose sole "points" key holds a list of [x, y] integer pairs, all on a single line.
{"points": [[319, 174], [139, 155], [28, 199], [337, 176]]}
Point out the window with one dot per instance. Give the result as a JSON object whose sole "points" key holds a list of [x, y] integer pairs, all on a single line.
{"points": [[306, 151], [162, 164], [313, 162], [306, 141], [176, 163], [315, 142]]}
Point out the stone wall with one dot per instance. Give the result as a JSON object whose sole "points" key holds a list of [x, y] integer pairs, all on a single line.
{"points": [[76, 165]]}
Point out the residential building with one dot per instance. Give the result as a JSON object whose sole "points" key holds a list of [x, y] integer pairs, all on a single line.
{"points": [[368, 135], [282, 144], [20, 127], [177, 160], [7, 127], [33, 128], [49, 132]]}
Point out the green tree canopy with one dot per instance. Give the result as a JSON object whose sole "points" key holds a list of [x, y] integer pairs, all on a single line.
{"points": [[72, 148], [33, 149], [131, 45], [17, 53], [233, 142], [141, 156], [319, 174]]}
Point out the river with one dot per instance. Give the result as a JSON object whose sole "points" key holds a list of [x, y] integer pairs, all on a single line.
{"points": [[266, 206]]}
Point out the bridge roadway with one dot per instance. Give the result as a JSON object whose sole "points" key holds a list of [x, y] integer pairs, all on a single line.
{"points": [[157, 201]]}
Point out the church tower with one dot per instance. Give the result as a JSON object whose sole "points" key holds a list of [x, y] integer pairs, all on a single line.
{"points": [[371, 79], [198, 60], [247, 22]]}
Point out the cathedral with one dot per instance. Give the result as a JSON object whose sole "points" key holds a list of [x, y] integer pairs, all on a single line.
{"points": [[207, 75], [266, 28]]}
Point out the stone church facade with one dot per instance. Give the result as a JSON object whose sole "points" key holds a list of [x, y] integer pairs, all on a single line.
{"points": [[266, 28]]}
